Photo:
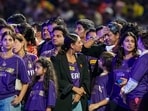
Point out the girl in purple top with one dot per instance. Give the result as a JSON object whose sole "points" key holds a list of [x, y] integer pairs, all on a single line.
{"points": [[11, 68], [99, 97], [43, 92]]}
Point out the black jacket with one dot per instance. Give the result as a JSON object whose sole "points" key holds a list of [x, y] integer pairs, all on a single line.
{"points": [[64, 100]]}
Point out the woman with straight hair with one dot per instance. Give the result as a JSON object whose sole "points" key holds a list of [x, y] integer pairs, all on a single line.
{"points": [[12, 67], [73, 77]]}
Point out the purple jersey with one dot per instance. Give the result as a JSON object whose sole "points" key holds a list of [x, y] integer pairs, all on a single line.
{"points": [[29, 60], [121, 72], [75, 74], [99, 91], [140, 73], [13, 68], [38, 100]]}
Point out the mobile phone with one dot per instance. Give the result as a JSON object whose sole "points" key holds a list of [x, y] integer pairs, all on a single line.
{"points": [[119, 81]]}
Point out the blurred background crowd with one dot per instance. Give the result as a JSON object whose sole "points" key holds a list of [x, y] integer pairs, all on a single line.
{"points": [[100, 11]]}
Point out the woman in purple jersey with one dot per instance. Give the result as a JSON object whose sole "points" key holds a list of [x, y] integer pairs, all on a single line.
{"points": [[29, 59], [5, 28], [43, 92], [73, 77], [12, 67], [137, 85], [99, 97], [20, 49], [122, 63]]}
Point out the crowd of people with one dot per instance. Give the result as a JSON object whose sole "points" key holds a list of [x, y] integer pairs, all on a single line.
{"points": [[48, 67], [100, 11]]}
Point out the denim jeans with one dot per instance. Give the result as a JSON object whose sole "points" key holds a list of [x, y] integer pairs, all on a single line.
{"points": [[5, 105], [77, 107]]}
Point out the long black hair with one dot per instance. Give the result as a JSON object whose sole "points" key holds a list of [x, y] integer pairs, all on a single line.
{"points": [[71, 38], [49, 74], [120, 51]]}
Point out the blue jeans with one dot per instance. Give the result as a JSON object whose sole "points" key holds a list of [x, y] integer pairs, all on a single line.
{"points": [[77, 107], [5, 105]]}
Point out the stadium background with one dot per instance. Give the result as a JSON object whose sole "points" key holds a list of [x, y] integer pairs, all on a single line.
{"points": [[100, 11]]}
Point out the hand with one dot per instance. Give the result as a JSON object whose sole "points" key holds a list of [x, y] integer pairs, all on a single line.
{"points": [[76, 98], [84, 92], [103, 32], [16, 101], [93, 107], [124, 81], [122, 91], [121, 82], [79, 91], [48, 109], [122, 94]]}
